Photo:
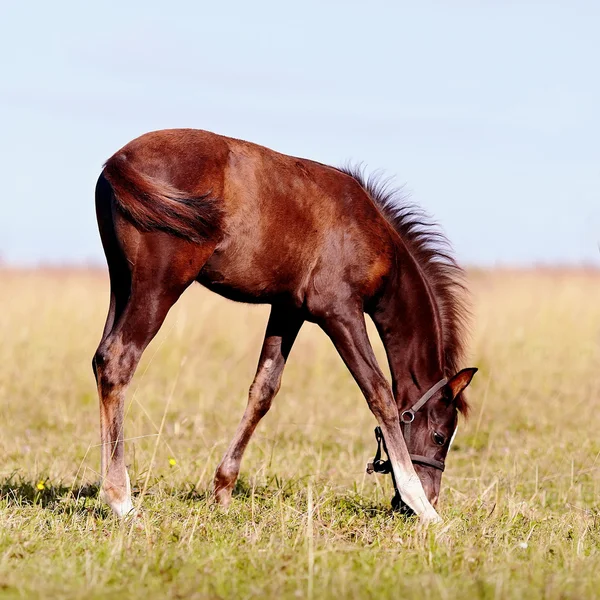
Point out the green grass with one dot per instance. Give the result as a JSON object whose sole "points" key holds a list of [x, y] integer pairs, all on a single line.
{"points": [[520, 497]]}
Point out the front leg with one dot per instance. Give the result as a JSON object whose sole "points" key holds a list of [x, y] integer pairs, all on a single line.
{"points": [[349, 334], [282, 329]]}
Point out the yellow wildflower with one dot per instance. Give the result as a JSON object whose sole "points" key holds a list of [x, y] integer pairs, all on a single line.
{"points": [[172, 461], [40, 486]]}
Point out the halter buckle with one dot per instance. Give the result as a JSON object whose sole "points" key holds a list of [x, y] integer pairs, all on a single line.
{"points": [[407, 416]]}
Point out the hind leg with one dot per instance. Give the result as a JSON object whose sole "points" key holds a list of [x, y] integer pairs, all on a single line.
{"points": [[118, 267], [115, 362], [158, 279], [120, 287]]}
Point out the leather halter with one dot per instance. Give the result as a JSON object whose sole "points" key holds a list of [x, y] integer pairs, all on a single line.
{"points": [[406, 418]]}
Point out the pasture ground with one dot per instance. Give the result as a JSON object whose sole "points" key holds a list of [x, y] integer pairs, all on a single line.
{"points": [[520, 497]]}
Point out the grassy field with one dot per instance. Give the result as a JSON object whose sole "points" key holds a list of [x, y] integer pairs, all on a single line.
{"points": [[520, 497]]}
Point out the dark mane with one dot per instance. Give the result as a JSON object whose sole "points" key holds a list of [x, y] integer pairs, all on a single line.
{"points": [[431, 249]]}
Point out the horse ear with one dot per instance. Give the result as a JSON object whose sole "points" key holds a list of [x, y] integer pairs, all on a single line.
{"points": [[460, 381]]}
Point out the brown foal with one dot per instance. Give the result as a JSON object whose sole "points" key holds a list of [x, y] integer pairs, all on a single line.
{"points": [[318, 244]]}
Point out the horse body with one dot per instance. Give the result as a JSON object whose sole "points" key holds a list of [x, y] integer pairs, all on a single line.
{"points": [[284, 223], [253, 225]]}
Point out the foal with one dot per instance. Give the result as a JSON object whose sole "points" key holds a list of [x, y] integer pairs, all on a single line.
{"points": [[318, 244]]}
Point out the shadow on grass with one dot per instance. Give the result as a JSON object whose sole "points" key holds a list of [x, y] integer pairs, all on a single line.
{"points": [[295, 491], [244, 489], [17, 491]]}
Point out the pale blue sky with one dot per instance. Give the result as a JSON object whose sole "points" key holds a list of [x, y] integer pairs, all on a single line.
{"points": [[489, 111]]}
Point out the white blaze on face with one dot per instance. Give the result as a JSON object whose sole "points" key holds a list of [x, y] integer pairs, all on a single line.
{"points": [[452, 438]]}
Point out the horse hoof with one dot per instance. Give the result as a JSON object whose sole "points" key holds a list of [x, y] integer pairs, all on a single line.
{"points": [[223, 498], [398, 505], [430, 518]]}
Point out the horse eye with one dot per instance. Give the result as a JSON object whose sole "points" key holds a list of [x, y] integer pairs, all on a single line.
{"points": [[438, 439]]}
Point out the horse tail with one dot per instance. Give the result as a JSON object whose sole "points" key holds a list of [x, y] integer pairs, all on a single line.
{"points": [[154, 205]]}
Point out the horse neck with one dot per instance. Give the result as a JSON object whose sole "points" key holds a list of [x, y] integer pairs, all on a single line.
{"points": [[409, 323]]}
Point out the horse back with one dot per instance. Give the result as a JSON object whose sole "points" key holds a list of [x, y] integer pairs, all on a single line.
{"points": [[289, 226]]}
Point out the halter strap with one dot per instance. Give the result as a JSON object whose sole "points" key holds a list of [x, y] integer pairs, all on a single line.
{"points": [[407, 417], [385, 466]]}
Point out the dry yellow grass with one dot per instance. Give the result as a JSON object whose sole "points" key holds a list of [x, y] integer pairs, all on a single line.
{"points": [[520, 494]]}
